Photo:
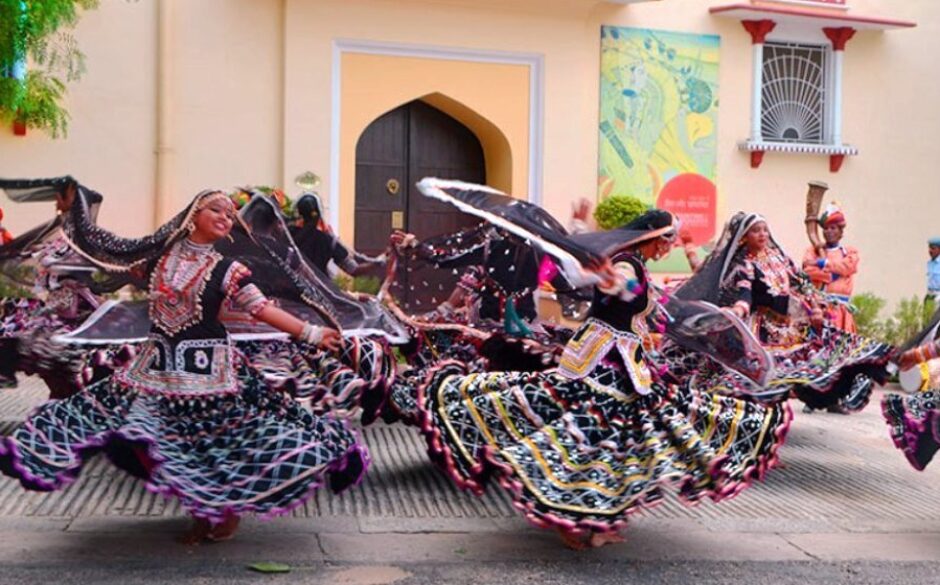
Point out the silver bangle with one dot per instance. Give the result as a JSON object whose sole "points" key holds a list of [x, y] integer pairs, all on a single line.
{"points": [[311, 334]]}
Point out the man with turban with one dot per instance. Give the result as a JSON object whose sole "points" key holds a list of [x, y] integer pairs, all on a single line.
{"points": [[933, 272], [834, 271], [5, 236]]}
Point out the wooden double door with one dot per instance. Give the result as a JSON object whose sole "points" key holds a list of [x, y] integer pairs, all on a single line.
{"points": [[396, 151]]}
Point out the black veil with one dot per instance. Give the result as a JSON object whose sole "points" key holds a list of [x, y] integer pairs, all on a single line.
{"points": [[264, 244], [694, 325], [35, 250], [261, 241], [708, 283], [537, 227]]}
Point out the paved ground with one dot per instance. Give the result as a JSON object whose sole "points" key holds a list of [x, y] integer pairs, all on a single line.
{"points": [[846, 509]]}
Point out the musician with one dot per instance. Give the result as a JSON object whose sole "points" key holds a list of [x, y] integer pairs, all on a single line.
{"points": [[5, 236], [833, 271]]}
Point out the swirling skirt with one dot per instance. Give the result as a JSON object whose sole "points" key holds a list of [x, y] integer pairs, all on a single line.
{"points": [[497, 352], [831, 368], [353, 383], [254, 451], [581, 455], [26, 329], [914, 425]]}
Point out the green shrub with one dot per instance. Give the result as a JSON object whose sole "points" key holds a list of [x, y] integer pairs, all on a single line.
{"points": [[930, 306], [618, 210], [908, 318], [867, 308], [12, 290], [369, 285], [907, 321], [343, 281]]}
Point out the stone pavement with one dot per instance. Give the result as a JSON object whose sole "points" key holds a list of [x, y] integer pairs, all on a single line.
{"points": [[845, 495]]}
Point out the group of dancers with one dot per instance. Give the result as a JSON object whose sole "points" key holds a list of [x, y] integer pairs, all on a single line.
{"points": [[217, 361]]}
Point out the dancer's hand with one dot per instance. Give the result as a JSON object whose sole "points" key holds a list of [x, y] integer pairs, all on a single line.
{"points": [[611, 280], [909, 358], [581, 209], [400, 240], [816, 318], [331, 340]]}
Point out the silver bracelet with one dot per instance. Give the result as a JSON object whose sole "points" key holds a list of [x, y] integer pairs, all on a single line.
{"points": [[311, 334]]}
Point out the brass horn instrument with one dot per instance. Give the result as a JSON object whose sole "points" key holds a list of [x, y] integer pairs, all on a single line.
{"points": [[814, 197]]}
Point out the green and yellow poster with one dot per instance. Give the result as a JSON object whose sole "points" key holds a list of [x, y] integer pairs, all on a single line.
{"points": [[658, 124]]}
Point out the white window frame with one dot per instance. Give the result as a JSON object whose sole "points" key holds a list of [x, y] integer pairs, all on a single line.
{"points": [[832, 146], [829, 109]]}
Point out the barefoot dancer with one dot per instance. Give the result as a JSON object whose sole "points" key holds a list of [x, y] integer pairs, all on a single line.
{"points": [[751, 275], [189, 414], [580, 448]]}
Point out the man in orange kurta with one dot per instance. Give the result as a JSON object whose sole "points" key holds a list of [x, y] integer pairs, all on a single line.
{"points": [[834, 272], [5, 236]]}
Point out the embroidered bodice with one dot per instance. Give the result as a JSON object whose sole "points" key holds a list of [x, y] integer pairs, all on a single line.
{"points": [[189, 353], [628, 310], [188, 287], [761, 281], [615, 333]]}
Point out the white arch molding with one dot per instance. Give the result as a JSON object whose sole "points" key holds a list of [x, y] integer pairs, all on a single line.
{"points": [[534, 61]]}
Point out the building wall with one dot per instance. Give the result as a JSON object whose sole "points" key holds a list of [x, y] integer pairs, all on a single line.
{"points": [[252, 85], [111, 136]]}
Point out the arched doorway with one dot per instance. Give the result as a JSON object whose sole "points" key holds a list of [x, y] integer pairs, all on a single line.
{"points": [[394, 152], [405, 145]]}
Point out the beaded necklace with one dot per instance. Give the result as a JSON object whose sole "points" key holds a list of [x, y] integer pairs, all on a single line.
{"points": [[774, 269], [178, 285]]}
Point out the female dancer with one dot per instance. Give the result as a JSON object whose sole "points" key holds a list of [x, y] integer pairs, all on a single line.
{"points": [[749, 273], [320, 246], [50, 291], [581, 447], [188, 414], [914, 420]]}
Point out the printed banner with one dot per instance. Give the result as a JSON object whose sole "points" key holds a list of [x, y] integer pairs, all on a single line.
{"points": [[659, 125]]}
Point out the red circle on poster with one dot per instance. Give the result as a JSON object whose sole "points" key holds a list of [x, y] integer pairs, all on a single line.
{"points": [[694, 199]]}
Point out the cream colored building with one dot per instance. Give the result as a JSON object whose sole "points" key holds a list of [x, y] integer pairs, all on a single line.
{"points": [[182, 95]]}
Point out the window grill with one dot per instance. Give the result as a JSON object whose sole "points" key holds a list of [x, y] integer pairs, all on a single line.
{"points": [[794, 93]]}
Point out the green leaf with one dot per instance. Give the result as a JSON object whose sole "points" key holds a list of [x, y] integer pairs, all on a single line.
{"points": [[269, 567], [39, 30]]}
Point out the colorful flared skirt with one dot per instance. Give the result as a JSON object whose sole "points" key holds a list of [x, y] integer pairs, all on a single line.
{"points": [[581, 455], [498, 352], [26, 330], [254, 451], [914, 425], [829, 369], [353, 383]]}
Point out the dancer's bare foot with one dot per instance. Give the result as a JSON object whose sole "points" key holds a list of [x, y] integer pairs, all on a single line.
{"points": [[572, 541], [197, 533], [599, 539], [225, 530]]}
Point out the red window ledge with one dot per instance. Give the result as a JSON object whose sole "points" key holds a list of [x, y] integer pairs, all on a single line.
{"points": [[836, 154]]}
